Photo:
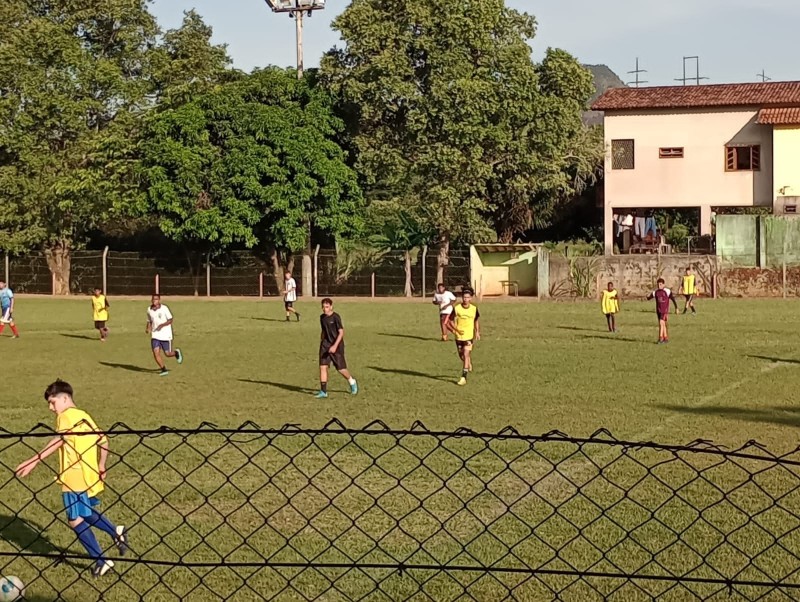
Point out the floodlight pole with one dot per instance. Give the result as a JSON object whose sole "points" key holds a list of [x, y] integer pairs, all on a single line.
{"points": [[298, 24]]}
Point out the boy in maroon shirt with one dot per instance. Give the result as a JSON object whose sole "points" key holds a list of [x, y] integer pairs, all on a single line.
{"points": [[663, 296]]}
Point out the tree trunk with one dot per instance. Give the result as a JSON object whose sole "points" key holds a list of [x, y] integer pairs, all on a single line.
{"points": [[194, 270], [59, 261], [443, 259], [407, 260]]}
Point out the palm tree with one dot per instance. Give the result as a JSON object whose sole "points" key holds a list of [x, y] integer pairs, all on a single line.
{"points": [[403, 233]]}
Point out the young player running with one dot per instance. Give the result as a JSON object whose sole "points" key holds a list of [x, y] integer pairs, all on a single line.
{"points": [[610, 306], [81, 473], [689, 290], [100, 313], [290, 296], [7, 309], [663, 297], [465, 325], [445, 300], [159, 327], [331, 349]]}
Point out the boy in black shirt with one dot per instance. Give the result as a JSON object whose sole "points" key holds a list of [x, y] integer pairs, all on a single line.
{"points": [[331, 349]]}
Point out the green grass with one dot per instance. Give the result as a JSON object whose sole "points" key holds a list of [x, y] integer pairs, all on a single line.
{"points": [[730, 374]]}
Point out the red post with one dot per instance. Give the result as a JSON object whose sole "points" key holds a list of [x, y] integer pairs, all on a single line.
{"points": [[261, 285]]}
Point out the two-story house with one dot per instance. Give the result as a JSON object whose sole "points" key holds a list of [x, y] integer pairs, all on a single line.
{"points": [[728, 145]]}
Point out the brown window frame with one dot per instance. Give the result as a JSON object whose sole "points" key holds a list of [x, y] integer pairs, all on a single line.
{"points": [[732, 157], [670, 152], [622, 164]]}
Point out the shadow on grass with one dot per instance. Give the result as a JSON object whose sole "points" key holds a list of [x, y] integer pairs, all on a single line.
{"points": [[776, 360], [128, 367], [782, 415], [405, 336], [264, 319], [85, 337], [284, 386], [612, 337], [414, 373], [577, 329], [28, 537]]}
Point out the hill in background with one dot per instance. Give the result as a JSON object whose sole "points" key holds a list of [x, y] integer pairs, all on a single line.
{"points": [[604, 78]]}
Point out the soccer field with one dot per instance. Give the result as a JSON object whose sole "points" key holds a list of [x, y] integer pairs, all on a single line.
{"points": [[730, 374]]}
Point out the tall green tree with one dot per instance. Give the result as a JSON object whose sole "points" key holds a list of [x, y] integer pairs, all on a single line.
{"points": [[451, 114], [251, 164], [399, 230], [73, 78]]}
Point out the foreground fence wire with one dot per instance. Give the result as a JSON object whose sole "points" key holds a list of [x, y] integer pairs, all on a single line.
{"points": [[381, 514]]}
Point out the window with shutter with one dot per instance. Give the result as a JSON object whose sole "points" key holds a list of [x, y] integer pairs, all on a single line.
{"points": [[743, 158]]}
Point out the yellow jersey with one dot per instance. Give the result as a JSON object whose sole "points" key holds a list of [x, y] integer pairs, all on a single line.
{"points": [[610, 302], [79, 455], [100, 308], [464, 319], [689, 287]]}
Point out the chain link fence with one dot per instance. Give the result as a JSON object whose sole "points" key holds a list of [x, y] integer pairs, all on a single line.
{"points": [[238, 274], [379, 514]]}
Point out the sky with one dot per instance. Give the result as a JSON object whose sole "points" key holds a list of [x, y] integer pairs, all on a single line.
{"points": [[735, 39]]}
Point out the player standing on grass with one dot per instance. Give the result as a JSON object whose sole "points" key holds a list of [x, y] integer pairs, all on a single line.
{"points": [[159, 327], [7, 309], [82, 470], [290, 296], [331, 349], [663, 297], [445, 300], [464, 324], [610, 306], [689, 290], [100, 313]]}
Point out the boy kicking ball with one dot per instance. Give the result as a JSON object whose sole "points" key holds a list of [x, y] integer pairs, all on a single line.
{"points": [[81, 473]]}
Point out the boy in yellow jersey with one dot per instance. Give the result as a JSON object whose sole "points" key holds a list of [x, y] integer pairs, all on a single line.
{"points": [[689, 290], [82, 470], [100, 313], [610, 306], [464, 324]]}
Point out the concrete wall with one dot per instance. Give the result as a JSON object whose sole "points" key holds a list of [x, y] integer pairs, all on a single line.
{"points": [[786, 145], [488, 269]]}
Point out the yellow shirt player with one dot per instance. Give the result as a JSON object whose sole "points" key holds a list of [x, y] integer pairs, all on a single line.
{"points": [[100, 313], [610, 306], [82, 452], [465, 325], [689, 290]]}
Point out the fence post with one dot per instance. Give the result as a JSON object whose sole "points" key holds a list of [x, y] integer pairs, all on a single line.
{"points": [[8, 269], [784, 260], [373, 285], [261, 285], [105, 270], [158, 287], [53, 284], [208, 275], [424, 270], [315, 291]]}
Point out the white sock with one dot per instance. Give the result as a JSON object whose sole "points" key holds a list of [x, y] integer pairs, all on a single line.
{"points": [[352, 380]]}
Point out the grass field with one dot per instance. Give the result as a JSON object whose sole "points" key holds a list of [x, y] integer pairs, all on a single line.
{"points": [[730, 374]]}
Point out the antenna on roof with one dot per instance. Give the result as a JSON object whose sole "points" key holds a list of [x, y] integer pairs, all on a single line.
{"points": [[696, 77], [637, 71], [763, 76]]}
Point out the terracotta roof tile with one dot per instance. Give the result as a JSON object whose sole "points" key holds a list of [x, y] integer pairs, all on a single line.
{"points": [[781, 116], [689, 97]]}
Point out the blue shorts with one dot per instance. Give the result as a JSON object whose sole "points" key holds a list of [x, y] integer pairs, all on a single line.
{"points": [[79, 505], [5, 314], [166, 346]]}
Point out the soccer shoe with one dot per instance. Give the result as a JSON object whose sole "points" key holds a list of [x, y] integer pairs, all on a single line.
{"points": [[461, 381], [179, 356], [444, 338], [321, 395], [297, 316], [163, 372], [101, 568], [354, 389], [121, 540]]}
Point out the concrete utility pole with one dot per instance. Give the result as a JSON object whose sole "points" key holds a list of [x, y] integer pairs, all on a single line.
{"points": [[297, 10]]}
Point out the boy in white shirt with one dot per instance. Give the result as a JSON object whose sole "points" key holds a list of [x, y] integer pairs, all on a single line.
{"points": [[290, 296], [159, 327], [445, 300]]}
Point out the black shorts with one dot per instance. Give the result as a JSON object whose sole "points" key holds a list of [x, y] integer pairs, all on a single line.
{"points": [[464, 344], [689, 298], [337, 359], [98, 324], [288, 304]]}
